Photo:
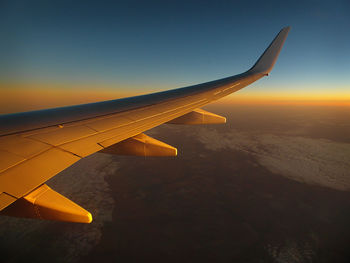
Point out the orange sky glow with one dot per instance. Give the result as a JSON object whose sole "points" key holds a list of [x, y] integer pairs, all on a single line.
{"points": [[20, 97]]}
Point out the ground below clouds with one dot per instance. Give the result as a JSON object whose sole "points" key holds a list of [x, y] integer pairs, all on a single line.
{"points": [[272, 185], [273, 193]]}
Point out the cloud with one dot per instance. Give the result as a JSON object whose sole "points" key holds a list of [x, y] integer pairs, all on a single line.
{"points": [[313, 161], [291, 251], [83, 183]]}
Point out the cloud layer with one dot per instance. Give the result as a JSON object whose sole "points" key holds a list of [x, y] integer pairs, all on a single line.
{"points": [[84, 183], [313, 161]]}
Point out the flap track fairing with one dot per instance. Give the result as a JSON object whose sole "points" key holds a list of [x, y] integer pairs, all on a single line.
{"points": [[45, 203], [199, 116], [141, 145]]}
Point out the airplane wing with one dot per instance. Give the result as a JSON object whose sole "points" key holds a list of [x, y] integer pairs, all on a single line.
{"points": [[37, 145]]}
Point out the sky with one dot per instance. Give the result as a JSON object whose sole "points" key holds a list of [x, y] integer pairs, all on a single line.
{"points": [[56, 53]]}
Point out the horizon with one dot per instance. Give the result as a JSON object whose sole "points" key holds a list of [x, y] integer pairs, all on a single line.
{"points": [[105, 51], [29, 97]]}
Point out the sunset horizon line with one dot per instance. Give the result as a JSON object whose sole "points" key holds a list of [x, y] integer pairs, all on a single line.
{"points": [[17, 97]]}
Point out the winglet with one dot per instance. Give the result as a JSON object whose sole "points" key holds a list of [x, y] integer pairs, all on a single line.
{"points": [[267, 60]]}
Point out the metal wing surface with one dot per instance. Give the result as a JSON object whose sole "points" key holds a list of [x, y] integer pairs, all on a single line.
{"points": [[37, 145]]}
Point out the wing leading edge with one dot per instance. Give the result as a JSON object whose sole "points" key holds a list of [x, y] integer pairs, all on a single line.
{"points": [[35, 146]]}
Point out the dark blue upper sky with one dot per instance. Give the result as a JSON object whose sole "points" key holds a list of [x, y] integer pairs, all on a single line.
{"points": [[172, 43]]}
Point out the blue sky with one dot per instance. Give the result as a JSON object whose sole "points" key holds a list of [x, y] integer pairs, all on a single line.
{"points": [[173, 43]]}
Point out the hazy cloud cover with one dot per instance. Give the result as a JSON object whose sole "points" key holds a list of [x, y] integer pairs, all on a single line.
{"points": [[84, 183], [313, 161], [312, 149], [292, 252]]}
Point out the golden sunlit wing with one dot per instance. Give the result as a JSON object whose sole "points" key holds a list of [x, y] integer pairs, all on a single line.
{"points": [[35, 146]]}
